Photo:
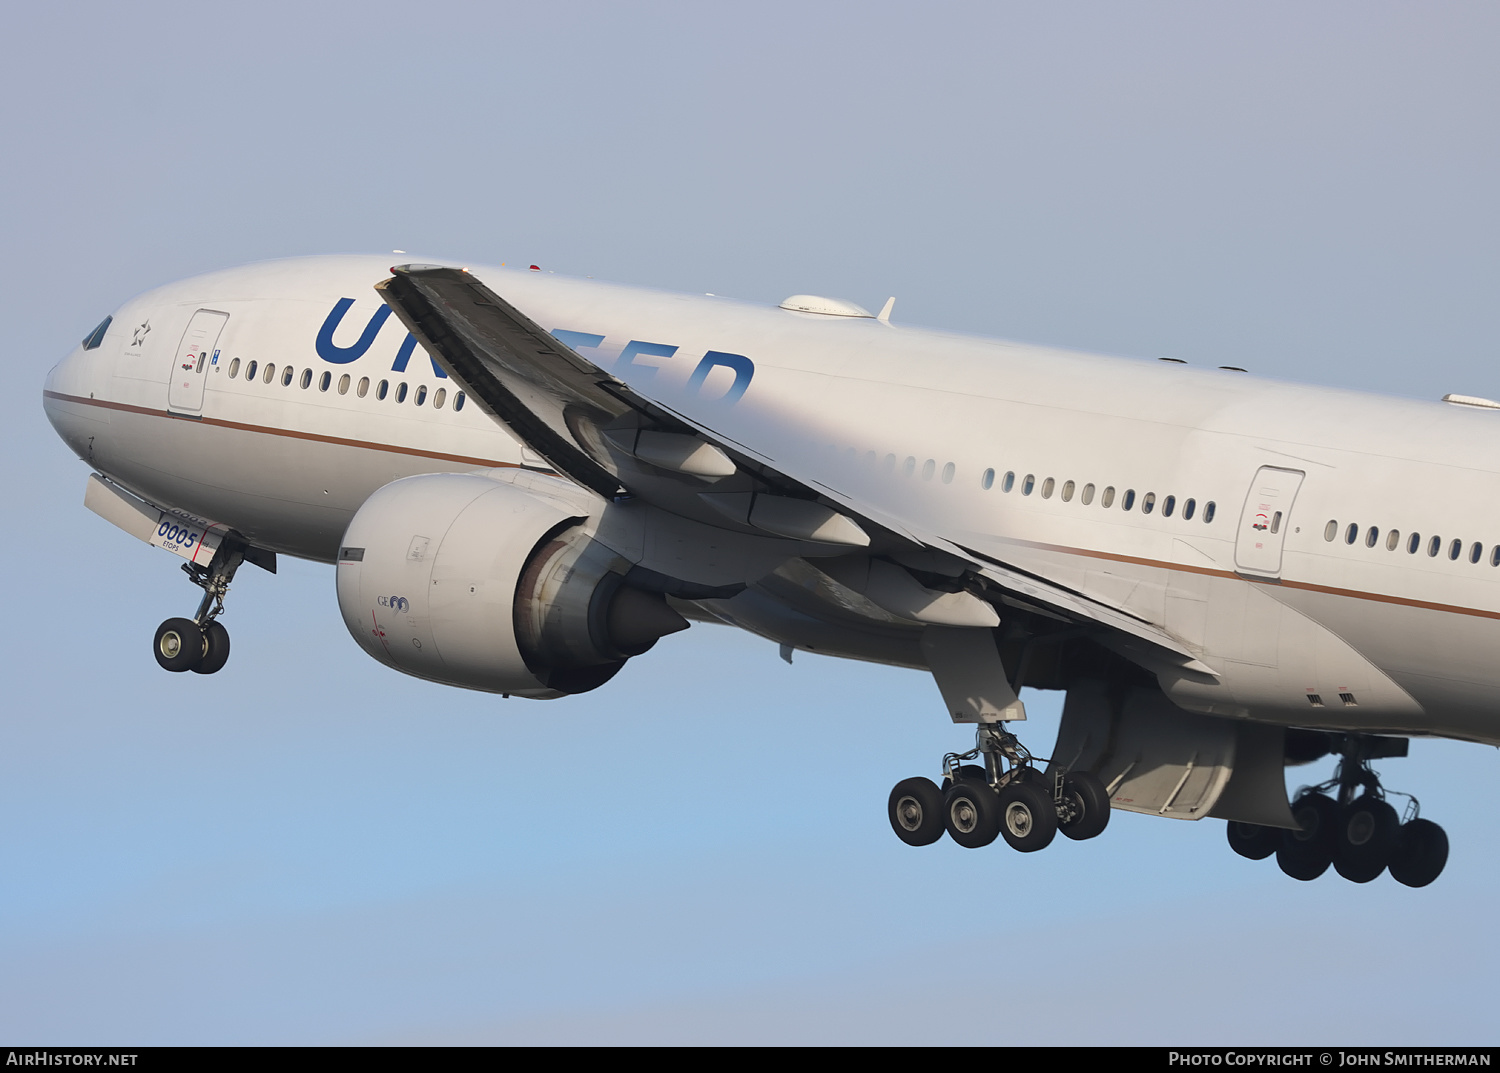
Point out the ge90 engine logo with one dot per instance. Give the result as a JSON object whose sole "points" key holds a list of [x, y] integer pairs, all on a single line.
{"points": [[397, 604]]}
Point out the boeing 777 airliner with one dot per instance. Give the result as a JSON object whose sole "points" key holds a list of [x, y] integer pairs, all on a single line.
{"points": [[525, 480]]}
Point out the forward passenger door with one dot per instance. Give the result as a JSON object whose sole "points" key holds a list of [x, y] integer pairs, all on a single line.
{"points": [[195, 357]]}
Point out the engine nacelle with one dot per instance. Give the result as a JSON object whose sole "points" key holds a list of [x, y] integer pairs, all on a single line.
{"points": [[468, 581]]}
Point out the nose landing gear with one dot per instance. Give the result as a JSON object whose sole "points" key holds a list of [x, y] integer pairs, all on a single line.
{"points": [[201, 643], [1346, 823], [1009, 797]]}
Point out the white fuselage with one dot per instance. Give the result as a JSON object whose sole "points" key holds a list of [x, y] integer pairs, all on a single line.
{"points": [[921, 426]]}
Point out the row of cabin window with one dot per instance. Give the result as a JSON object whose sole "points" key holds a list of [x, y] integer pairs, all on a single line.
{"points": [[1106, 498], [908, 467], [439, 397], [1413, 542]]}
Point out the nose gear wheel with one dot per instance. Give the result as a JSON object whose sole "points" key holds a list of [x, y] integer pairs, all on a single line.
{"points": [[201, 643]]}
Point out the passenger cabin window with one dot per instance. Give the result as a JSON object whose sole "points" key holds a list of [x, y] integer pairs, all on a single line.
{"points": [[250, 371], [1108, 498], [1028, 484], [988, 480], [1190, 506], [306, 379], [234, 368], [1047, 486], [1148, 502], [286, 376], [458, 401], [1208, 512], [344, 384], [1352, 533], [1009, 482], [270, 373], [927, 469], [1129, 500], [1372, 535], [1168, 505], [1414, 543], [948, 471], [1088, 495], [421, 395], [401, 392], [382, 389], [441, 395], [325, 380], [1393, 540], [364, 386], [1434, 546], [95, 337]]}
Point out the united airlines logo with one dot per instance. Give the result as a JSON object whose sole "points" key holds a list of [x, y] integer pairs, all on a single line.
{"points": [[717, 376], [330, 351]]}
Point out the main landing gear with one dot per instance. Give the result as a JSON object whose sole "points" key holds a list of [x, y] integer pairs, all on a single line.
{"points": [[1009, 797], [200, 643], [1347, 823]]}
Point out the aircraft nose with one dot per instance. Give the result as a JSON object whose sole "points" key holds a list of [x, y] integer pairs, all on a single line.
{"points": [[57, 374], [68, 394]]}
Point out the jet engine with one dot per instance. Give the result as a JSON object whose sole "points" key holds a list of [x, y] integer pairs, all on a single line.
{"points": [[468, 581]]}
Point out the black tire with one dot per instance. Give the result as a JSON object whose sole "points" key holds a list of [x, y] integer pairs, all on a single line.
{"points": [[916, 811], [1421, 852], [967, 773], [215, 649], [1365, 838], [1306, 853], [971, 814], [1252, 840], [1090, 801], [178, 645], [1028, 817]]}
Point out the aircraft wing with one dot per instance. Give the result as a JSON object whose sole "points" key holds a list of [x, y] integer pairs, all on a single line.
{"points": [[552, 398], [600, 432]]}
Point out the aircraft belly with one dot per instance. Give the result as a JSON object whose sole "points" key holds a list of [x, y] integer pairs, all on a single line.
{"points": [[1277, 664], [1444, 660]]}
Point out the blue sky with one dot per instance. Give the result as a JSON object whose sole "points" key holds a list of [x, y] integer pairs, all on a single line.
{"points": [[309, 848]]}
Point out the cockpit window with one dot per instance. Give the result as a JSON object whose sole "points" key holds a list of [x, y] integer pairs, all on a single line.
{"points": [[95, 337]]}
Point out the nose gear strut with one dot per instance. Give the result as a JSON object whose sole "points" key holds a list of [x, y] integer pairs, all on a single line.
{"points": [[201, 643]]}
